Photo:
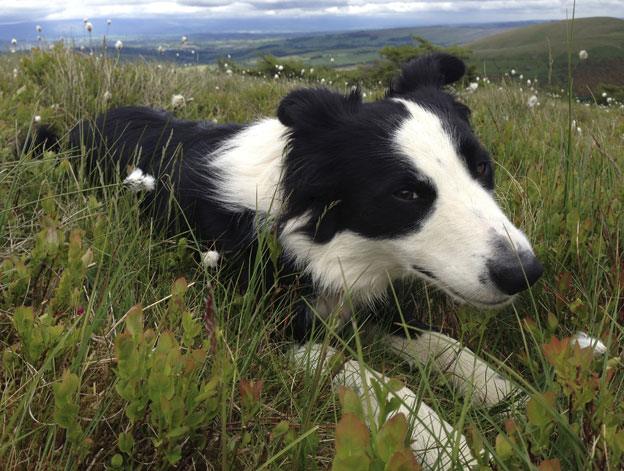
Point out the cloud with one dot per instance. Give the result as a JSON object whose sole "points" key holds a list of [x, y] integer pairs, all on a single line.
{"points": [[38, 10]]}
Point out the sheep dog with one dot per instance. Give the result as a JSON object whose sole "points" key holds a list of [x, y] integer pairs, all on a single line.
{"points": [[358, 194]]}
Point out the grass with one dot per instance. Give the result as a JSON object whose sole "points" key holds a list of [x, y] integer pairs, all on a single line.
{"points": [[84, 383]]}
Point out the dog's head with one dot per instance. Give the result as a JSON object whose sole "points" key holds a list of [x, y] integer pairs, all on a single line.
{"points": [[398, 187]]}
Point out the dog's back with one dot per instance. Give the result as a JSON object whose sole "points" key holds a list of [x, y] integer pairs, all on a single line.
{"points": [[140, 144]]}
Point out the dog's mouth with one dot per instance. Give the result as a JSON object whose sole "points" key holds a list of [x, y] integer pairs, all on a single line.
{"points": [[427, 275]]}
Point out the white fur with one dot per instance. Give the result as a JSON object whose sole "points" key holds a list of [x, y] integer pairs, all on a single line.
{"points": [[249, 165], [432, 438], [347, 262], [139, 181], [469, 374]]}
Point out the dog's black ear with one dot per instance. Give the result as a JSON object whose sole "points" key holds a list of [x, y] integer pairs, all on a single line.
{"points": [[317, 107], [433, 70]]}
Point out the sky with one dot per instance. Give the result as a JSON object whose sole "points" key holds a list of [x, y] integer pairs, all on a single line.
{"points": [[427, 11]]}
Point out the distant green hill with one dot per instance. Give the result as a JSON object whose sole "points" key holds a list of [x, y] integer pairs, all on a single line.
{"points": [[530, 49], [347, 48]]}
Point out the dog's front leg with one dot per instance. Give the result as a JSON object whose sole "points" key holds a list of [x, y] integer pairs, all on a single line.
{"points": [[472, 376], [435, 442]]}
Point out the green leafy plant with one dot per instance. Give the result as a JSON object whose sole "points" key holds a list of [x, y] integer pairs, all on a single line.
{"points": [[160, 381], [66, 407]]}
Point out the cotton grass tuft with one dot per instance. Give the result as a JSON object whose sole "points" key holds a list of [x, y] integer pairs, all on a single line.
{"points": [[138, 181]]}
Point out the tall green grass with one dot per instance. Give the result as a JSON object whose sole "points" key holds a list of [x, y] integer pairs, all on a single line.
{"points": [[266, 413]]}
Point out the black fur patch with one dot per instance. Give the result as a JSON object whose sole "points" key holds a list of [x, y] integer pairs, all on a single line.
{"points": [[174, 152]]}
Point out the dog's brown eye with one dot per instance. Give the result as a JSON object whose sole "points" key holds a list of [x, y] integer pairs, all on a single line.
{"points": [[406, 195], [482, 168]]}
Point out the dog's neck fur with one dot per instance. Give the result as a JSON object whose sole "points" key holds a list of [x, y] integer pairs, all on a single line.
{"points": [[250, 165]]}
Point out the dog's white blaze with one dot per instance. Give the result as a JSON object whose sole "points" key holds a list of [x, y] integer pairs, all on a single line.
{"points": [[250, 165], [456, 238]]}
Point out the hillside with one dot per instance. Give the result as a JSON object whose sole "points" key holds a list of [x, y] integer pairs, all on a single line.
{"points": [[347, 48], [527, 50], [350, 48]]}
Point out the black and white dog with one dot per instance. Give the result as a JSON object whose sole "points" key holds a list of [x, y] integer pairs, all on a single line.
{"points": [[360, 194]]}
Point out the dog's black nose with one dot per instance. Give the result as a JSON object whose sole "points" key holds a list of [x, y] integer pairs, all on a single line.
{"points": [[515, 272]]}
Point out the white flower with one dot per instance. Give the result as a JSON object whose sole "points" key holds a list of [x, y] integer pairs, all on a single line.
{"points": [[302, 71], [119, 45], [276, 76], [139, 181], [331, 59], [529, 82], [38, 28], [159, 66], [14, 42], [521, 76], [322, 80], [178, 101], [161, 50], [107, 95], [229, 56], [15, 72], [184, 40], [210, 259], [88, 26], [583, 55], [280, 67], [604, 94], [472, 86], [363, 94], [312, 70], [177, 54], [228, 71], [37, 119], [584, 341], [109, 22], [532, 101], [217, 87], [513, 71], [609, 99]]}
